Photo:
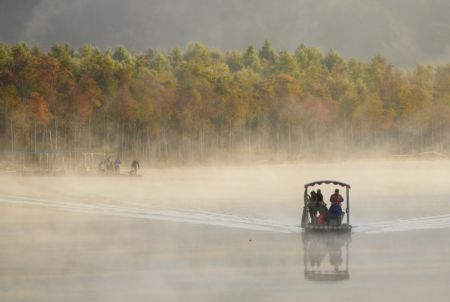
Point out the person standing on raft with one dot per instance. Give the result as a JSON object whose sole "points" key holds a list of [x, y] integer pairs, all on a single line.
{"points": [[335, 211], [336, 198]]}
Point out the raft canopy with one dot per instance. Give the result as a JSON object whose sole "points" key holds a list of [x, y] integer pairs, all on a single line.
{"points": [[334, 182]]}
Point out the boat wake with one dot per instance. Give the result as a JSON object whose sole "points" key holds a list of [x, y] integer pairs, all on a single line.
{"points": [[411, 224], [195, 216], [175, 215]]}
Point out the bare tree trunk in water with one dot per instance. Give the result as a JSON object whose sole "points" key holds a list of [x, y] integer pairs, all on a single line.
{"points": [[51, 140], [166, 151], [201, 140], [56, 134], [289, 140], [159, 138], [105, 136], [230, 137], [12, 135], [89, 135], [137, 146], [35, 137], [432, 134]]}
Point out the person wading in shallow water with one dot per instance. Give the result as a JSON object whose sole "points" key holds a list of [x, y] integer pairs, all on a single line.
{"points": [[117, 164], [134, 167]]}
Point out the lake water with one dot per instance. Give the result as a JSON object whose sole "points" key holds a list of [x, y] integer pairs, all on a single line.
{"points": [[225, 233]]}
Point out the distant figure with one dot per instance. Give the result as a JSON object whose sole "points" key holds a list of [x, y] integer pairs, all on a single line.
{"points": [[312, 206], [102, 167], [134, 167], [105, 166], [117, 164], [109, 164], [336, 198]]}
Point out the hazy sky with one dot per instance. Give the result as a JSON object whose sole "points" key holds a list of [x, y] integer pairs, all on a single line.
{"points": [[408, 32]]}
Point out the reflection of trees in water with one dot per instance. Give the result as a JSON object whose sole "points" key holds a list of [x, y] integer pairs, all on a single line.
{"points": [[317, 247]]}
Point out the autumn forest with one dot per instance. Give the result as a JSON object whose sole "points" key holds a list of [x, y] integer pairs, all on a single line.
{"points": [[200, 104]]}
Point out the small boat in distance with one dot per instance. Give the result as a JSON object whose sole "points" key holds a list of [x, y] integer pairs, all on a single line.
{"points": [[318, 218]]}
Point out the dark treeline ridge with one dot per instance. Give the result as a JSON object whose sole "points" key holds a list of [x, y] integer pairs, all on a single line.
{"points": [[202, 104]]}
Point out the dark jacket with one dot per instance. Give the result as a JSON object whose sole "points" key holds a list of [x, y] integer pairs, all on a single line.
{"points": [[319, 197]]}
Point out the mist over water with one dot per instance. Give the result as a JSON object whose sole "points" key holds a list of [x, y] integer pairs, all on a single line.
{"points": [[223, 232], [381, 190]]}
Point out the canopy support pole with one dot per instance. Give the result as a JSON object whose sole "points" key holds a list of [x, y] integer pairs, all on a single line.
{"points": [[348, 206], [304, 212]]}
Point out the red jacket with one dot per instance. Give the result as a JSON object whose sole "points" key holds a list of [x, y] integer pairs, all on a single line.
{"points": [[336, 198]]}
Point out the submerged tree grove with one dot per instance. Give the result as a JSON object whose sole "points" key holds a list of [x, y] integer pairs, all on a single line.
{"points": [[199, 104]]}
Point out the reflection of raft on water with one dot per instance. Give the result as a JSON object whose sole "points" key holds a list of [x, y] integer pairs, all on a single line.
{"points": [[335, 225], [326, 256]]}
